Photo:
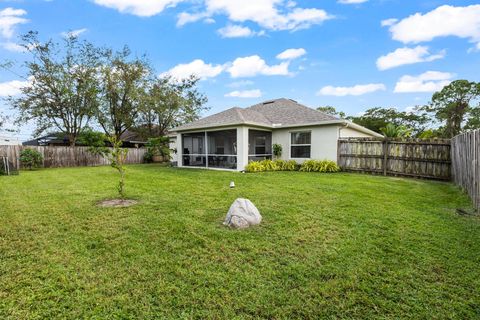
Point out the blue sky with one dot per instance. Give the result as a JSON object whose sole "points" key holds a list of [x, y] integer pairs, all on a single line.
{"points": [[352, 54]]}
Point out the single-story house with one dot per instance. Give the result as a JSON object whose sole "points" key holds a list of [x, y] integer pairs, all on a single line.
{"points": [[130, 139], [232, 138]]}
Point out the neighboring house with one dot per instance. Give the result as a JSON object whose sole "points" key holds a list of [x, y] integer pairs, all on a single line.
{"points": [[9, 141], [232, 138], [58, 139]]}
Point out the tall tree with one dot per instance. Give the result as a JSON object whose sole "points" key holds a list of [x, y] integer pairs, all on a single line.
{"points": [[123, 83], [377, 118], [452, 107], [170, 103], [332, 111], [63, 87]]}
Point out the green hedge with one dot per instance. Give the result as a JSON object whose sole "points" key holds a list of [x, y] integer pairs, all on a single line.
{"points": [[291, 165]]}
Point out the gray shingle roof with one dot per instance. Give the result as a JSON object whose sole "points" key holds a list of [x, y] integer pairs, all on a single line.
{"points": [[278, 112], [289, 112]]}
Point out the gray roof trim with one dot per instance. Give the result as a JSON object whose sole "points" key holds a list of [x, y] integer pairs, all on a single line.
{"points": [[227, 125]]}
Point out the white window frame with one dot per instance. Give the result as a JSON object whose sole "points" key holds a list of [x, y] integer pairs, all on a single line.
{"points": [[300, 145]]}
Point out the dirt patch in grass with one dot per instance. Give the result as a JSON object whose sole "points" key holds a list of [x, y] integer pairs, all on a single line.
{"points": [[117, 203]]}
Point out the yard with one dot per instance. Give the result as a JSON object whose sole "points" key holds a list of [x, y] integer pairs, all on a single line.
{"points": [[333, 246]]}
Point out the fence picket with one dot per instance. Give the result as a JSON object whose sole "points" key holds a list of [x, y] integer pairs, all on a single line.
{"points": [[407, 157], [55, 157]]}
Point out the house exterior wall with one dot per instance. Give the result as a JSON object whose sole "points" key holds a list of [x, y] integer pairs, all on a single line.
{"points": [[172, 145], [353, 133], [323, 142]]}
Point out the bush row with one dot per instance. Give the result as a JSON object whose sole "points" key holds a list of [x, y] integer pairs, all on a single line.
{"points": [[292, 165]]}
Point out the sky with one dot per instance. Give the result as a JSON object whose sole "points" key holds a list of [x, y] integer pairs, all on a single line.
{"points": [[350, 54]]}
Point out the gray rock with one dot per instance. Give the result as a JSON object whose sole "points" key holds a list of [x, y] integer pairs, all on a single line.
{"points": [[242, 214]]}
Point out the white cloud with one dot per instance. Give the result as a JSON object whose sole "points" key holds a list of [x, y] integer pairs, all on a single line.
{"points": [[388, 22], [12, 88], [254, 65], [463, 22], [256, 93], [240, 68], [403, 56], [291, 54], [351, 1], [184, 17], [9, 18], [197, 67], [12, 46], [73, 33], [429, 81], [356, 90], [269, 14], [236, 31], [142, 8]]}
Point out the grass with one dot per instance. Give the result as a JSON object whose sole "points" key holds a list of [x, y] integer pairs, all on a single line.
{"points": [[330, 246]]}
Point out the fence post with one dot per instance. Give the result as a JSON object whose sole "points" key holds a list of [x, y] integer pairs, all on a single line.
{"points": [[385, 156]]}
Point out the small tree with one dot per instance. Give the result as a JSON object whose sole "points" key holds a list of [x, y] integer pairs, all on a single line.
{"points": [[31, 159], [117, 157], [277, 150], [393, 131]]}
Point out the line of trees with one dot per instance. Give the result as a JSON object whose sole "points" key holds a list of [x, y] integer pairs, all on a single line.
{"points": [[75, 85], [451, 111]]}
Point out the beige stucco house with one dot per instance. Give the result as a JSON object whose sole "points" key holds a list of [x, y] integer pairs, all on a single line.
{"points": [[232, 138]]}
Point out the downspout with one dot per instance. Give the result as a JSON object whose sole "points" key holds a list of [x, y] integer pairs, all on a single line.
{"points": [[345, 125]]}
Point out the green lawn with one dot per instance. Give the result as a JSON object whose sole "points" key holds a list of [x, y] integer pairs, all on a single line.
{"points": [[330, 246]]}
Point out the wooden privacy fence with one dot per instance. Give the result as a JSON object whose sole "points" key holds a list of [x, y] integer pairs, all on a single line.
{"points": [[466, 165], [55, 157], [406, 157]]}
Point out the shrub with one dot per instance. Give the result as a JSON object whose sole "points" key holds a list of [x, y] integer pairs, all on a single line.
{"points": [[254, 166], [31, 159], [326, 166], [148, 156], [269, 165], [290, 165], [279, 164], [157, 147]]}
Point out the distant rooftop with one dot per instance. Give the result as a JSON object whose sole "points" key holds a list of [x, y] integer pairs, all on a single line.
{"points": [[270, 114]]}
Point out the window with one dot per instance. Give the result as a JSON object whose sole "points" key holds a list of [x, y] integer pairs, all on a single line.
{"points": [[301, 144]]}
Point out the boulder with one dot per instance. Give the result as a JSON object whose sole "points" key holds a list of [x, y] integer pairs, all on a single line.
{"points": [[242, 214]]}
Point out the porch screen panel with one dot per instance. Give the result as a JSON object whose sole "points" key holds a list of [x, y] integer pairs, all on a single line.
{"points": [[259, 145], [222, 149], [194, 153]]}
